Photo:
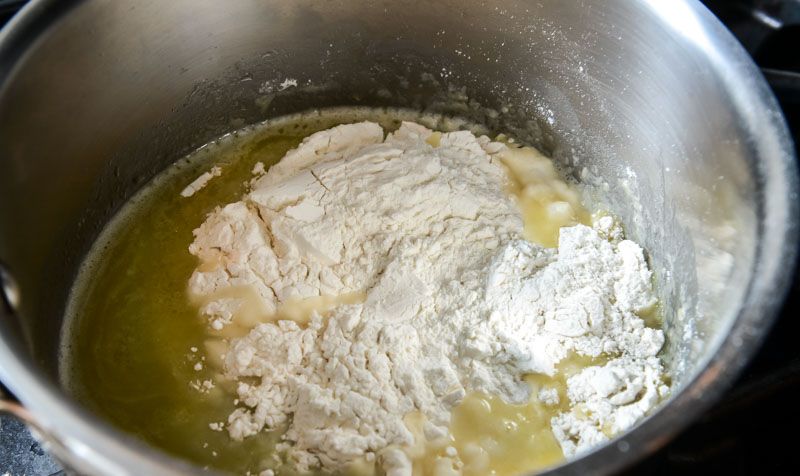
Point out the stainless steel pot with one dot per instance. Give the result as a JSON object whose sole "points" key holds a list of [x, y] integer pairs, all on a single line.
{"points": [[651, 103]]}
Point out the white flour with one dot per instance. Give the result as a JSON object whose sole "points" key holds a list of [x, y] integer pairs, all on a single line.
{"points": [[456, 301], [200, 182]]}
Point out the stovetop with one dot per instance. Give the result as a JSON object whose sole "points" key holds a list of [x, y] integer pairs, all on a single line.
{"points": [[746, 432]]}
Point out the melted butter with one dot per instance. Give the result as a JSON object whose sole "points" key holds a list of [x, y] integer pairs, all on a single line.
{"points": [[546, 201], [489, 436], [301, 310], [434, 139], [252, 312], [132, 325]]}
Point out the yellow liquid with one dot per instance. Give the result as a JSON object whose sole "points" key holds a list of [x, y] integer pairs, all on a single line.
{"points": [[493, 437], [547, 203], [130, 323], [135, 339]]}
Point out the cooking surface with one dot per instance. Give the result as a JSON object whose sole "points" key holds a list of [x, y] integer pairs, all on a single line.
{"points": [[739, 435]]}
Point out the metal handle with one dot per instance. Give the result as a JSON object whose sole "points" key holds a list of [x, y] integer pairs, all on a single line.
{"points": [[10, 299], [53, 445], [11, 406], [785, 84]]}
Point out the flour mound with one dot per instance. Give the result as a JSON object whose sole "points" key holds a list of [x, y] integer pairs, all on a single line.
{"points": [[456, 300]]}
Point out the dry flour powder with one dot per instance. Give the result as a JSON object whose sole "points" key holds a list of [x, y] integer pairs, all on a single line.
{"points": [[454, 299]]}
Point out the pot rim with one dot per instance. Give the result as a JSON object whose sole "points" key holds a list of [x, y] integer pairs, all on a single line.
{"points": [[89, 444]]}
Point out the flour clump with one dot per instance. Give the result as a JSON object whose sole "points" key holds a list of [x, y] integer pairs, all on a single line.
{"points": [[430, 292]]}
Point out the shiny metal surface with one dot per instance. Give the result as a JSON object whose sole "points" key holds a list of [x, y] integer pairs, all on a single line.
{"points": [[9, 290], [652, 104]]}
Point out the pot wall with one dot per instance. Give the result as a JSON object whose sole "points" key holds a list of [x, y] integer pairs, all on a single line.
{"points": [[651, 104]]}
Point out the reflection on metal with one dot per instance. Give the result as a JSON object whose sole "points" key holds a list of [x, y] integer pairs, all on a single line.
{"points": [[9, 290], [767, 19]]}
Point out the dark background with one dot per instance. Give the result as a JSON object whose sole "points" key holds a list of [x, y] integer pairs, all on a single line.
{"points": [[755, 428]]}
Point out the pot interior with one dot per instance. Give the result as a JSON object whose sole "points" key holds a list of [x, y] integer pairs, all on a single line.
{"points": [[632, 102]]}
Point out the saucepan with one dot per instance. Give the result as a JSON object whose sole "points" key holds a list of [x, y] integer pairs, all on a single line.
{"points": [[650, 104]]}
